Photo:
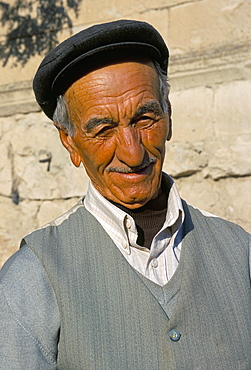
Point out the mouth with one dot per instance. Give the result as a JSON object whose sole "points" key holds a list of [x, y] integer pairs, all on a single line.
{"points": [[137, 170]]}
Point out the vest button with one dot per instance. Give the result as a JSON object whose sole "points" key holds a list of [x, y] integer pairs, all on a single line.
{"points": [[174, 335]]}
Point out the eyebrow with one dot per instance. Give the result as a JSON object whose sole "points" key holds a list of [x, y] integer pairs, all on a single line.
{"points": [[94, 122], [149, 107]]}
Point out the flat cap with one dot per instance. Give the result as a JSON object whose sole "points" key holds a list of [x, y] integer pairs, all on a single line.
{"points": [[90, 49]]}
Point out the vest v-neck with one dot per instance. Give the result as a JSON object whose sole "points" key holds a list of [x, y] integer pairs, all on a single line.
{"points": [[167, 294]]}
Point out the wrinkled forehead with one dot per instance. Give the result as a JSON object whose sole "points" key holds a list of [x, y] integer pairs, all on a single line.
{"points": [[125, 84], [118, 72], [113, 72]]}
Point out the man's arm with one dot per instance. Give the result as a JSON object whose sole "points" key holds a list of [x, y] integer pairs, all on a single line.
{"points": [[249, 238], [29, 323]]}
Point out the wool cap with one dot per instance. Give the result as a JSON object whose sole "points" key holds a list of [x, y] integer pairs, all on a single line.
{"points": [[92, 48]]}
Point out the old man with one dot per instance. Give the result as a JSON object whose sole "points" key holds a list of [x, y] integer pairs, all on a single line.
{"points": [[131, 277]]}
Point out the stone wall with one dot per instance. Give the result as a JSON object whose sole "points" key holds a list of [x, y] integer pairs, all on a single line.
{"points": [[210, 153]]}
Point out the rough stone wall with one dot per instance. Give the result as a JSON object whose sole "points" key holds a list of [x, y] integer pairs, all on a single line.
{"points": [[209, 155]]}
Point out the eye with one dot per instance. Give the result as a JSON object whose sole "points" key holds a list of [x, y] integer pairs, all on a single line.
{"points": [[145, 121], [99, 127], [104, 131], [146, 117]]}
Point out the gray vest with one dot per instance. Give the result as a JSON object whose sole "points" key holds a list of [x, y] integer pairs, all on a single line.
{"points": [[113, 318]]}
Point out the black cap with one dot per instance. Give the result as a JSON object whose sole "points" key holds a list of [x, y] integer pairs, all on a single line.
{"points": [[92, 48]]}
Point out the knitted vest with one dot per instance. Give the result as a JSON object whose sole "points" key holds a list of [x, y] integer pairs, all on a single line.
{"points": [[113, 318]]}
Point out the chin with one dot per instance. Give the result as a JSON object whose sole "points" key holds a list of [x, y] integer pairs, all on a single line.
{"points": [[132, 197], [134, 202], [134, 205]]}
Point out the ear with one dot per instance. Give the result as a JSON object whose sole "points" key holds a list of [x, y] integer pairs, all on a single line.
{"points": [[169, 120], [170, 129], [69, 145]]}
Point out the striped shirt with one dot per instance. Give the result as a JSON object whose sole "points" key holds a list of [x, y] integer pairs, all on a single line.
{"points": [[160, 262]]}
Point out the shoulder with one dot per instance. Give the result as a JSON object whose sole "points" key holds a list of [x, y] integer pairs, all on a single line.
{"points": [[213, 230], [212, 220], [59, 228], [62, 239], [217, 239]]}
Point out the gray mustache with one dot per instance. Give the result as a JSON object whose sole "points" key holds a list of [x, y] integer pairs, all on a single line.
{"points": [[143, 165]]}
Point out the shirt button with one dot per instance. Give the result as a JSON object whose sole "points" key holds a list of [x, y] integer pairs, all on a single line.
{"points": [[174, 335], [128, 223], [154, 263], [124, 245]]}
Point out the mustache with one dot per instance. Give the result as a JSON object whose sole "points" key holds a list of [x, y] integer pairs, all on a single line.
{"points": [[143, 165]]}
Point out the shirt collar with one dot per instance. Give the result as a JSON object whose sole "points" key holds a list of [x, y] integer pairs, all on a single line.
{"points": [[121, 226]]}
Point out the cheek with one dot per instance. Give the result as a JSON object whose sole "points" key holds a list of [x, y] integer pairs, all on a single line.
{"points": [[155, 139], [96, 155]]}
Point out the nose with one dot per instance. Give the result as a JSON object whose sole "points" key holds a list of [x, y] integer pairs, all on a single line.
{"points": [[129, 148]]}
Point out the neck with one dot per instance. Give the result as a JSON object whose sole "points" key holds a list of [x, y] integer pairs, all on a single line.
{"points": [[149, 218]]}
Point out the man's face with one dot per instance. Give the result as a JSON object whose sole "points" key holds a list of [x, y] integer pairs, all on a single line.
{"points": [[120, 131]]}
